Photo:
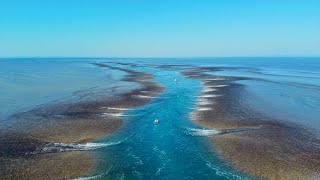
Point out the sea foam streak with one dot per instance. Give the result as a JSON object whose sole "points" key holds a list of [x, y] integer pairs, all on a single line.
{"points": [[114, 114], [204, 103], [204, 109], [143, 96], [209, 96], [217, 86], [205, 90], [201, 132], [65, 147], [195, 75], [216, 79], [95, 176], [146, 92], [120, 109]]}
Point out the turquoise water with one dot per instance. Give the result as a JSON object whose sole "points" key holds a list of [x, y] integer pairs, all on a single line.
{"points": [[286, 88], [175, 148]]}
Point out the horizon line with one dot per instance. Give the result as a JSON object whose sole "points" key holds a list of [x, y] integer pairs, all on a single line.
{"points": [[158, 57]]}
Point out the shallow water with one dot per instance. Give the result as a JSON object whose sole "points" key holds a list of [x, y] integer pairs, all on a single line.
{"points": [[26, 83], [174, 148], [288, 91]]}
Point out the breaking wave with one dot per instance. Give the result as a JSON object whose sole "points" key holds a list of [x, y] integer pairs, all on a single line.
{"points": [[113, 114], [120, 109], [204, 109], [143, 96], [209, 96], [201, 132], [66, 147]]}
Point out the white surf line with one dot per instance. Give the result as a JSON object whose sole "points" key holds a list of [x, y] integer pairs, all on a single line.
{"points": [[195, 75], [77, 146], [205, 103], [204, 109], [117, 114], [143, 96], [204, 100], [65, 147], [206, 90], [217, 86], [215, 79], [120, 109], [114, 114], [202, 132], [209, 96], [145, 91]]}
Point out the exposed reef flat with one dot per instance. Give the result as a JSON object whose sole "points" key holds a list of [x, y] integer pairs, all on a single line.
{"points": [[46, 166], [265, 147], [26, 146]]}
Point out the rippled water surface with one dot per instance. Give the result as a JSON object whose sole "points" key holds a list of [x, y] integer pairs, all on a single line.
{"points": [[25, 83], [175, 148]]}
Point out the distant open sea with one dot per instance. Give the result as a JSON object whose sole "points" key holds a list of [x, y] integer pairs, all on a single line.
{"points": [[289, 87], [26, 83]]}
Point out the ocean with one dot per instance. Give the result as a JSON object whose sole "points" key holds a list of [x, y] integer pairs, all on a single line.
{"points": [[285, 89]]}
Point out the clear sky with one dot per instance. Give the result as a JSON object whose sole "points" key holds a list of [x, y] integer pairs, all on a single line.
{"points": [[159, 28]]}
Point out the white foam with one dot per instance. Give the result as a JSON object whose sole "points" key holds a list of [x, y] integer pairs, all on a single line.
{"points": [[64, 147], [202, 132], [215, 79], [217, 86], [120, 109], [114, 114], [209, 96], [204, 109], [206, 90], [204, 103], [202, 99], [222, 173], [145, 91], [143, 96], [95, 176]]}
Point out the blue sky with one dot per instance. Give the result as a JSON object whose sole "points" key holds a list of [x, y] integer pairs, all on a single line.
{"points": [[159, 28]]}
